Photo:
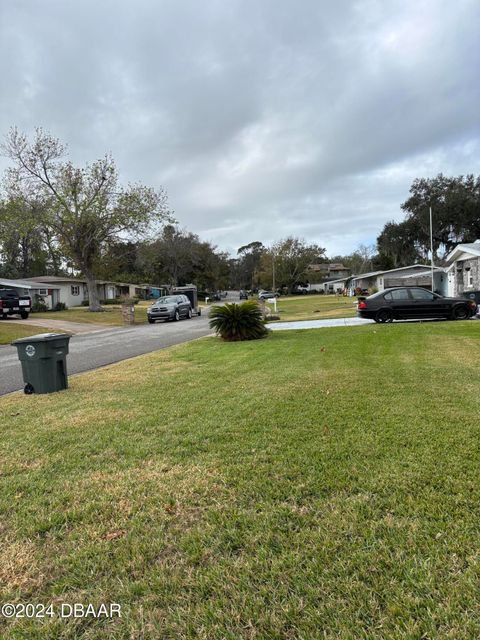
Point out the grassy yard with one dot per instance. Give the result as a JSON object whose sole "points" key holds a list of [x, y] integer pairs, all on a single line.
{"points": [[112, 314], [11, 331], [316, 484], [314, 307]]}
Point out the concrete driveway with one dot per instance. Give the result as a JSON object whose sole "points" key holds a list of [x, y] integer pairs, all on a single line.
{"points": [[104, 346]]}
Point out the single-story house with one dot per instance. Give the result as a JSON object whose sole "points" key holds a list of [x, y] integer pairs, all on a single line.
{"points": [[330, 286], [32, 288], [423, 279], [380, 280], [463, 269], [74, 291]]}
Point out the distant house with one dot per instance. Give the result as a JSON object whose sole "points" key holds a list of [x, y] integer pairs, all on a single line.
{"points": [[323, 271], [330, 286], [327, 277], [463, 269]]}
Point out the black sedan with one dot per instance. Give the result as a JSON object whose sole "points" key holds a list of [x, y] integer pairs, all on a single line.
{"points": [[401, 303]]}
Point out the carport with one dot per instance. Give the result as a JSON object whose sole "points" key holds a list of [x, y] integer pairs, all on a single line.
{"points": [[32, 288]]}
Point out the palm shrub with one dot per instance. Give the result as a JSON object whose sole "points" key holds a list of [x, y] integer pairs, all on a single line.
{"points": [[235, 322]]}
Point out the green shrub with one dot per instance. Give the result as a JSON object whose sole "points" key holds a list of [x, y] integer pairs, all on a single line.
{"points": [[39, 304], [60, 306], [235, 322]]}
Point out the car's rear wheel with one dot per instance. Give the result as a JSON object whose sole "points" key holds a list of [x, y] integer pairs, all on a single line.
{"points": [[383, 315], [461, 313], [176, 317]]}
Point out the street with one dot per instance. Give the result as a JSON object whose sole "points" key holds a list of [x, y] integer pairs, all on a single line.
{"points": [[89, 351]]}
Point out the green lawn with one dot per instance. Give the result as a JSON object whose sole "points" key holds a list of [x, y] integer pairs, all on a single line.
{"points": [[314, 307], [11, 331], [315, 484], [112, 314]]}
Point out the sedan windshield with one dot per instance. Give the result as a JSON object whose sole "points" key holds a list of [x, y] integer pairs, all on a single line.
{"points": [[167, 300]]}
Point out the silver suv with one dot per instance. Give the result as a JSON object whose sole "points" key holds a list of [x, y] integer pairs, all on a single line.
{"points": [[170, 308]]}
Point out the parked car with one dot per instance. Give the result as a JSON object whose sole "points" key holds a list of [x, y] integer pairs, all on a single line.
{"points": [[243, 295], [263, 295], [399, 303], [13, 304], [170, 308]]}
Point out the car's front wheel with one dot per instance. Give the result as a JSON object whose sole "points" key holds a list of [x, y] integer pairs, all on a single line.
{"points": [[151, 321], [176, 317], [189, 314], [24, 315], [461, 313], [383, 315]]}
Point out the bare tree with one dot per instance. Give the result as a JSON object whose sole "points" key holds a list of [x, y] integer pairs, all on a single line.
{"points": [[87, 208]]}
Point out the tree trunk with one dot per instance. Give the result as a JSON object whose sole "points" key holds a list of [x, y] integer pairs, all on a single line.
{"points": [[94, 302]]}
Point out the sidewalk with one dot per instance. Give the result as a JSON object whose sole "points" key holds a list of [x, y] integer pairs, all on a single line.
{"points": [[318, 324]]}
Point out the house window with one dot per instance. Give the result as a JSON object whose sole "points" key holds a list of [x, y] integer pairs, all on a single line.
{"points": [[75, 288], [43, 292], [469, 279]]}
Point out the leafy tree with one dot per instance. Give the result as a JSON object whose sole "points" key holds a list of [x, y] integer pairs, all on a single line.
{"points": [[250, 262], [286, 263], [397, 244], [178, 257], [455, 203], [87, 208], [22, 242]]}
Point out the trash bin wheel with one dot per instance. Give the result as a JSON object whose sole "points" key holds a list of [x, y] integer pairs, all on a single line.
{"points": [[28, 389]]}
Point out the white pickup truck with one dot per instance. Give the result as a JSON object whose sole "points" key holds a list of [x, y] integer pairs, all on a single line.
{"points": [[13, 304]]}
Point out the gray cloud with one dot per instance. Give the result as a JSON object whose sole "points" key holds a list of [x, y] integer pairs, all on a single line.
{"points": [[261, 119]]}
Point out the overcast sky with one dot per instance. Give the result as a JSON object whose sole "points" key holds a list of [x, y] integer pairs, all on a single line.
{"points": [[261, 118]]}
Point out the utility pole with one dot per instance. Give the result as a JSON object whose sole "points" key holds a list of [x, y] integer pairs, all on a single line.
{"points": [[431, 248], [273, 272]]}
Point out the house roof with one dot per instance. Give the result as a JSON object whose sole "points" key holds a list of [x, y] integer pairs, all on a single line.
{"points": [[470, 247], [379, 273], [330, 281], [420, 274], [26, 283], [57, 279]]}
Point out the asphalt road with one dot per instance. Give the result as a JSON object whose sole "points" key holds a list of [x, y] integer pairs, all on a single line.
{"points": [[89, 351]]}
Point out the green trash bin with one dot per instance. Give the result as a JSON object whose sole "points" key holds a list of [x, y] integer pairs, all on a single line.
{"points": [[44, 362]]}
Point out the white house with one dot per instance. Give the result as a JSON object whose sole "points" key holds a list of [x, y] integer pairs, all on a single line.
{"points": [[463, 269], [71, 291], [74, 291], [32, 288]]}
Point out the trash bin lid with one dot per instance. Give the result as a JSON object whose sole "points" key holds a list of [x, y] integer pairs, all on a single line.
{"points": [[42, 337]]}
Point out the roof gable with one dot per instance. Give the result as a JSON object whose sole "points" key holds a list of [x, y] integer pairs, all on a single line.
{"points": [[471, 248]]}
